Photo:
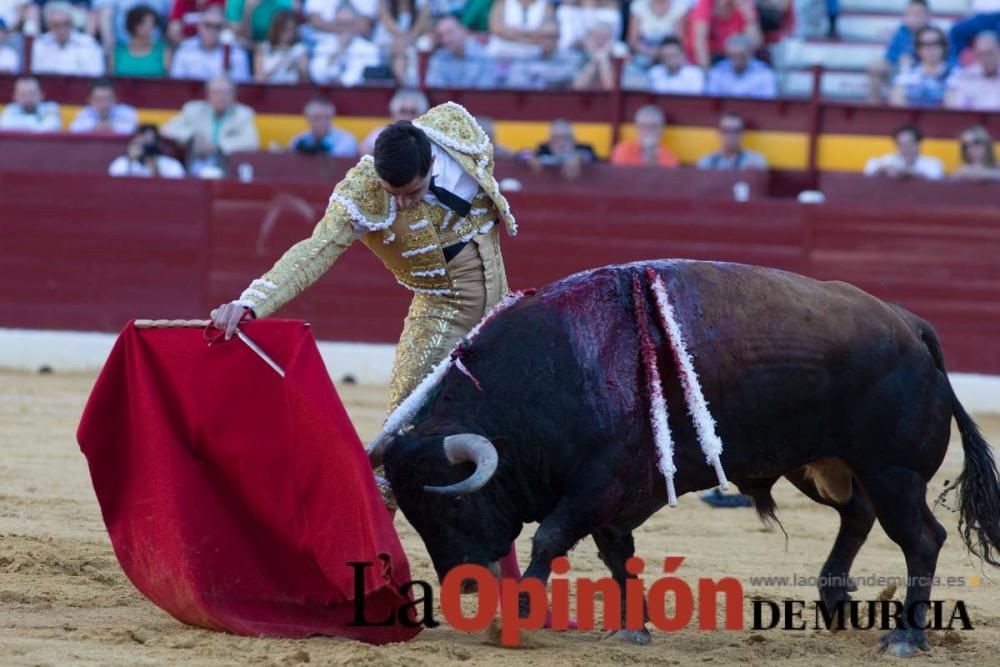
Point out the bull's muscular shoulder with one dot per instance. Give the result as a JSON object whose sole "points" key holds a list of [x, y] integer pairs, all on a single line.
{"points": [[365, 201], [451, 126]]}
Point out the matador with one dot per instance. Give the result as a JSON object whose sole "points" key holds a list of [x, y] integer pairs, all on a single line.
{"points": [[427, 204]]}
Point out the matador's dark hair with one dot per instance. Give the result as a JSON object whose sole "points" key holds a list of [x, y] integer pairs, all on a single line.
{"points": [[402, 152]]}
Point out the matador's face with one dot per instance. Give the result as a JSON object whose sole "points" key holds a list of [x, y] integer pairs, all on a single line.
{"points": [[411, 194]]}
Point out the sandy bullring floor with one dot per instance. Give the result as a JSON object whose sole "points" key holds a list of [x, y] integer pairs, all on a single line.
{"points": [[64, 600]]}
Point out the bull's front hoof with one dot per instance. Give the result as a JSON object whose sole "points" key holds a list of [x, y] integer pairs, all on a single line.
{"points": [[904, 643], [637, 637]]}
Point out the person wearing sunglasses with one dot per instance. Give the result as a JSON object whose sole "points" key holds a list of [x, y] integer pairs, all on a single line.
{"points": [[203, 56], [979, 161], [923, 83]]}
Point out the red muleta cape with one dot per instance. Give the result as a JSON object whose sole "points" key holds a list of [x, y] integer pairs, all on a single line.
{"points": [[235, 499]]}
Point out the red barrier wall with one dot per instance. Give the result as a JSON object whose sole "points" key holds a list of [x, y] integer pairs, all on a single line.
{"points": [[90, 252]]}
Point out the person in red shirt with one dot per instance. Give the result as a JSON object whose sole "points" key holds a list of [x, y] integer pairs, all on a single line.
{"points": [[184, 18], [712, 22], [648, 148]]}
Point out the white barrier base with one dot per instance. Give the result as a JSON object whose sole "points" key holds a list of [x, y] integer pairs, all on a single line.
{"points": [[366, 363]]}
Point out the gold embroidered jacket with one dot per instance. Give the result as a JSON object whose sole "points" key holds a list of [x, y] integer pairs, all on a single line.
{"points": [[408, 242]]}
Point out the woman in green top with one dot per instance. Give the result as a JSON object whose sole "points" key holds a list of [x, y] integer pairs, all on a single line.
{"points": [[143, 55]]}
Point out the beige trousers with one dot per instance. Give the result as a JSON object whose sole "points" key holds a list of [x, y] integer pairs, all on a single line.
{"points": [[435, 323]]}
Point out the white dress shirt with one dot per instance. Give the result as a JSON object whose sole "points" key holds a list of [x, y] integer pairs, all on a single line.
{"points": [[167, 167], [45, 118], [80, 55], [191, 61], [348, 68], [926, 166]]}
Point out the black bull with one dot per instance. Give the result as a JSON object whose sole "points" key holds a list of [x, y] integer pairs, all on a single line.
{"points": [[844, 395]]}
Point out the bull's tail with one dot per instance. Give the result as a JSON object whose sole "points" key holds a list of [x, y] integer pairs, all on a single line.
{"points": [[978, 486]]}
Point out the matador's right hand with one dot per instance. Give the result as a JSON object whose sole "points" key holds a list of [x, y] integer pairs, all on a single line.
{"points": [[228, 316]]}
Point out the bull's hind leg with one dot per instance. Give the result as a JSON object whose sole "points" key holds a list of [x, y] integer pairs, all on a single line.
{"points": [[615, 547], [856, 520], [898, 496]]}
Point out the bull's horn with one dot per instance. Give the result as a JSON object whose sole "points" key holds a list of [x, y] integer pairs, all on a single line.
{"points": [[468, 447]]}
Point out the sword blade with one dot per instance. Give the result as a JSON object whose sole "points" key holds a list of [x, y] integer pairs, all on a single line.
{"points": [[260, 353]]}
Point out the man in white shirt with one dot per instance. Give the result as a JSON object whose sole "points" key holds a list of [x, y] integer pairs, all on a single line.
{"points": [[203, 56], [103, 113], [28, 113], [63, 50], [144, 157], [675, 75], [906, 162], [342, 56]]}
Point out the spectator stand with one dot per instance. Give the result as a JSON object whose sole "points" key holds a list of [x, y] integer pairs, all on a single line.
{"points": [[865, 27]]}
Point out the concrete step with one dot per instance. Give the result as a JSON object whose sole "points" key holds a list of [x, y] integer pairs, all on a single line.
{"points": [[795, 53], [838, 84]]}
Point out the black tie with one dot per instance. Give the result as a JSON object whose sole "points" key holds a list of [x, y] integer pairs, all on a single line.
{"points": [[450, 199]]}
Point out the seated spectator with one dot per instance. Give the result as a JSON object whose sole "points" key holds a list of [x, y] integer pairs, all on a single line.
{"points": [[145, 54], [400, 23], [653, 21], [341, 56], [185, 18], [212, 128], [979, 161], [461, 60], [324, 19], [647, 149], [10, 56], [282, 58], [553, 69], [252, 20], [977, 86], [561, 150], [732, 155], [923, 83], [63, 49], [902, 51], [112, 18], [28, 113], [577, 17], [144, 157], [740, 74], [322, 138], [711, 24], [985, 17], [103, 113], [906, 162], [598, 70], [674, 75], [514, 28], [203, 56], [406, 104]]}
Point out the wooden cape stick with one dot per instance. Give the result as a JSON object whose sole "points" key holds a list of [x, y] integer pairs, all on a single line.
{"points": [[198, 324]]}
